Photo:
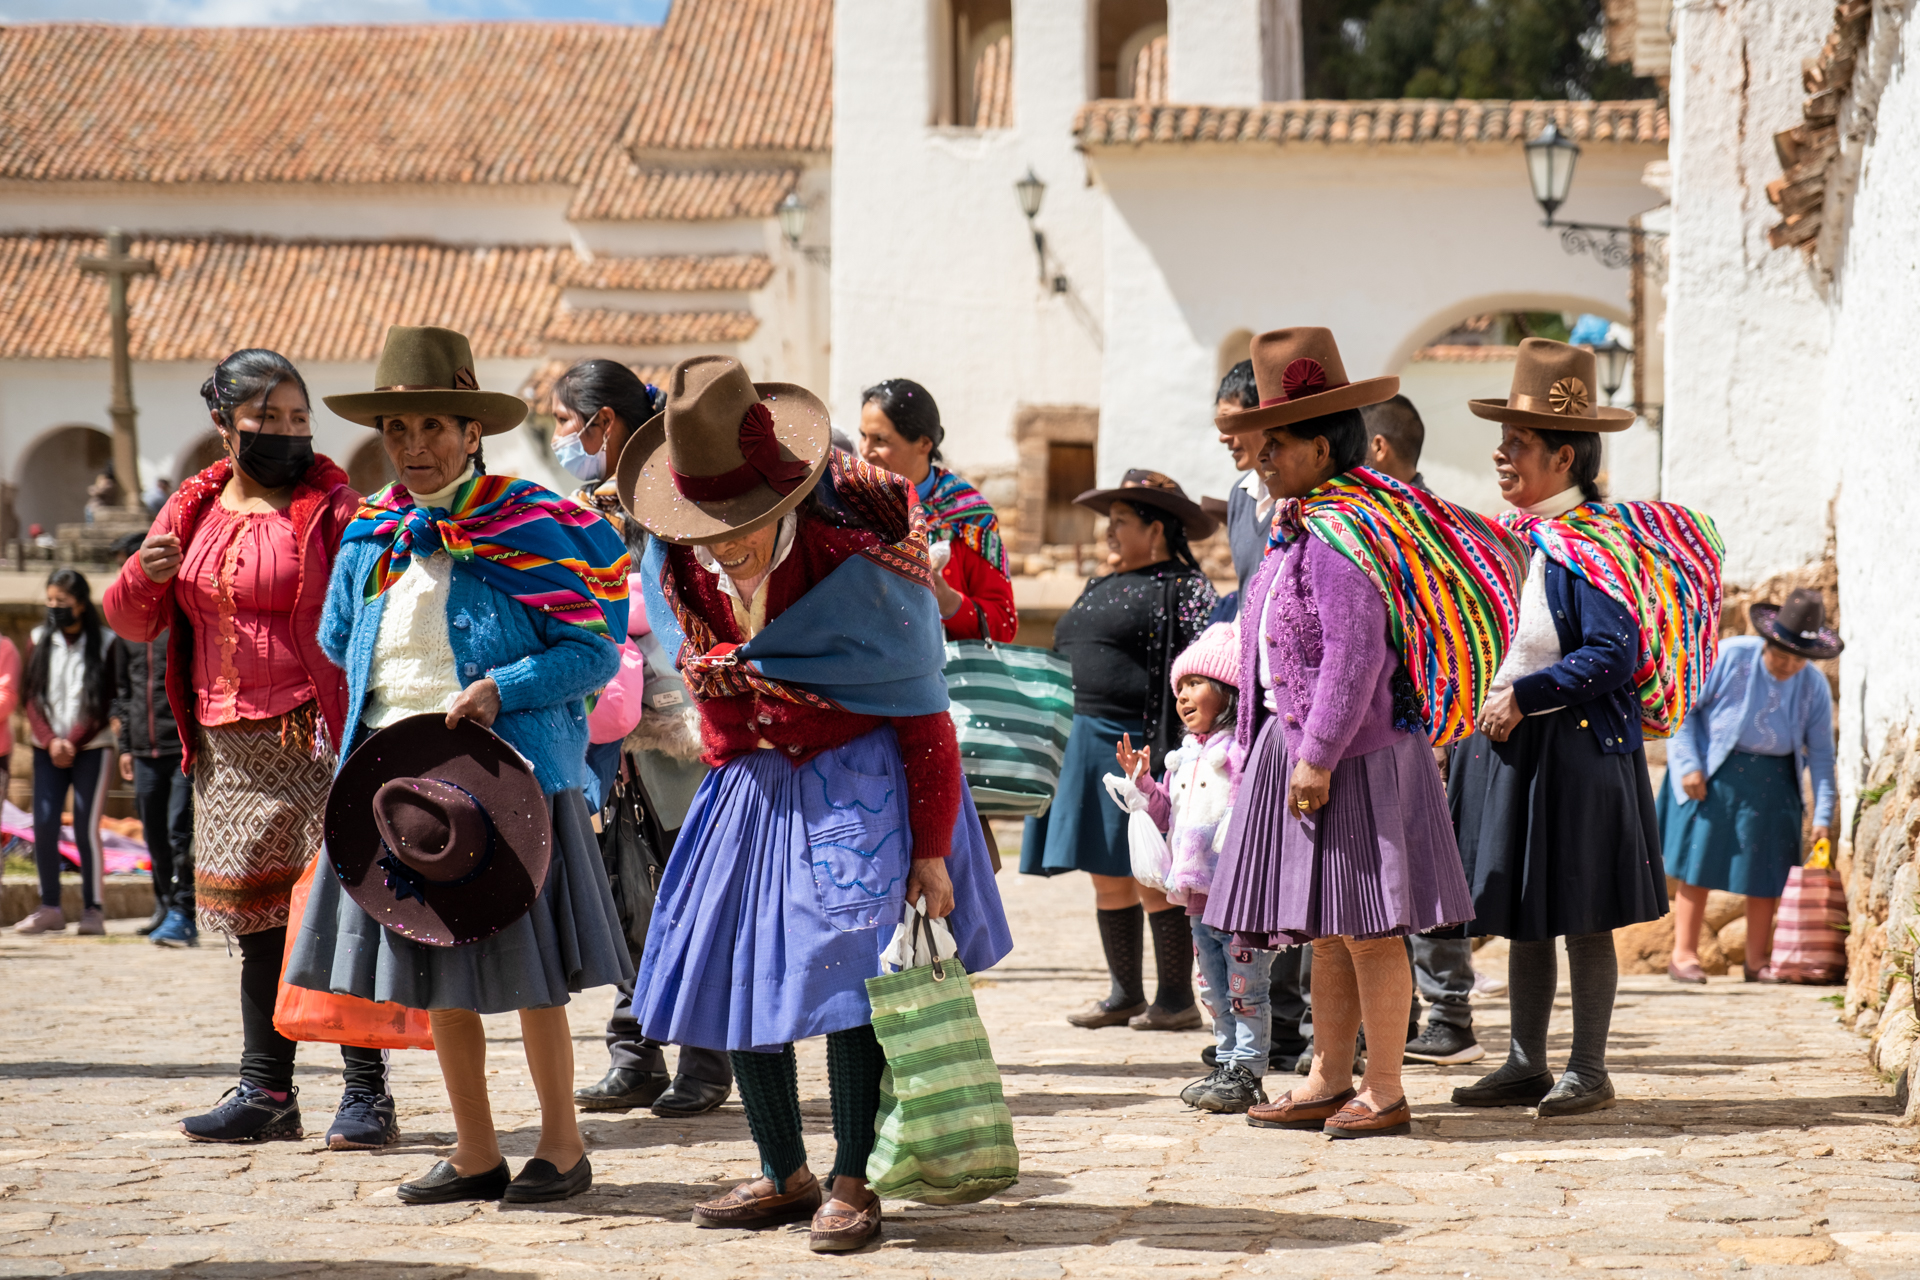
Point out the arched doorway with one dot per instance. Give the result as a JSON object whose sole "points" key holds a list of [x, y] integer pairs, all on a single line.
{"points": [[54, 473], [368, 468], [204, 452]]}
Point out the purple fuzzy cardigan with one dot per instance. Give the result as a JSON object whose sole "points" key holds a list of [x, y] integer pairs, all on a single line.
{"points": [[1332, 666]]}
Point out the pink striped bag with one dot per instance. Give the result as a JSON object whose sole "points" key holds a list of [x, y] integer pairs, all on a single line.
{"points": [[1809, 938]]}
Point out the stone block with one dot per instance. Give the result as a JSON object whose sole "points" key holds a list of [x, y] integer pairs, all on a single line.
{"points": [[1724, 907], [124, 898], [1733, 941], [1893, 1041], [1648, 947]]}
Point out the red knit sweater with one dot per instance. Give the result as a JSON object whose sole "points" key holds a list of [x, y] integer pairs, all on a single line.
{"points": [[736, 725]]}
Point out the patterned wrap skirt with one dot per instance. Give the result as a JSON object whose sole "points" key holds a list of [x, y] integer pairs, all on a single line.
{"points": [[1378, 861], [259, 794], [783, 890], [1745, 836]]}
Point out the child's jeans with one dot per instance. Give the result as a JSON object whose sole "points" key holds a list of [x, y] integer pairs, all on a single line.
{"points": [[1233, 983]]}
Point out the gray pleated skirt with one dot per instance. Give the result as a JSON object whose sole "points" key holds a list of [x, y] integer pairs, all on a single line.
{"points": [[568, 941]]}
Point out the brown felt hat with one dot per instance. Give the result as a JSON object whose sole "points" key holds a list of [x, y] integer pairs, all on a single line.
{"points": [[1553, 390], [1798, 626], [726, 457], [1301, 376], [427, 370], [1150, 488], [441, 835]]}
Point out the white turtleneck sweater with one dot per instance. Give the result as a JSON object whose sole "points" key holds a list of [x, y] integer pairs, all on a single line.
{"points": [[1536, 643], [413, 671]]}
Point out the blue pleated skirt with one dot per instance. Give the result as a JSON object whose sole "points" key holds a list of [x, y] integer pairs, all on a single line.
{"points": [[1745, 836], [783, 889], [1083, 829]]}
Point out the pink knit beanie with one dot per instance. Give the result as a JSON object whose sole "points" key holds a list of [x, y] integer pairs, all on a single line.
{"points": [[1216, 655]]}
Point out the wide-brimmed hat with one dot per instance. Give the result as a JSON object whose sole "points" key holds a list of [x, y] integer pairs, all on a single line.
{"points": [[725, 457], [1154, 490], [1553, 390], [1799, 625], [442, 835], [427, 370], [1300, 376]]}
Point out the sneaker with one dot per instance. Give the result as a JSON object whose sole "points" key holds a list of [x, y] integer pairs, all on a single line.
{"points": [[179, 930], [1232, 1090], [252, 1115], [363, 1122], [158, 918], [92, 923], [43, 920], [1284, 1060], [1444, 1046], [1200, 1086], [1485, 984]]}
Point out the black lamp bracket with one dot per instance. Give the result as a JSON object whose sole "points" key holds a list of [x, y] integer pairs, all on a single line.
{"points": [[1613, 246]]}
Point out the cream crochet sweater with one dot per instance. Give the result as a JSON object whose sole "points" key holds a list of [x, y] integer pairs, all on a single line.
{"points": [[413, 671]]}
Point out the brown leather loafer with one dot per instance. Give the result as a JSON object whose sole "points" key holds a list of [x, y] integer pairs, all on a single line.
{"points": [[1158, 1019], [839, 1229], [742, 1209], [1098, 1015], [1687, 973], [1358, 1120], [1289, 1112]]}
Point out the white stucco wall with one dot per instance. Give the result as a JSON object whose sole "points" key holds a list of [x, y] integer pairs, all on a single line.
{"points": [[1388, 246], [1746, 330]]}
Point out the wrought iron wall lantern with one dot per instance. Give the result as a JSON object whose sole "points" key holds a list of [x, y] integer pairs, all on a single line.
{"points": [[1030, 191], [1550, 163], [793, 224], [1610, 360]]}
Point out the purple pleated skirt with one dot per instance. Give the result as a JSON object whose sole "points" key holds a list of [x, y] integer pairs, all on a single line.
{"points": [[1379, 861]]}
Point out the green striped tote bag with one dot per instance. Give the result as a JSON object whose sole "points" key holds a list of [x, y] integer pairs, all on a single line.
{"points": [[943, 1134], [1012, 709]]}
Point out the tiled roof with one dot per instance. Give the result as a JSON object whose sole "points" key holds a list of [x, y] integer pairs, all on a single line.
{"points": [[621, 190], [537, 390], [495, 103], [678, 274], [1394, 120], [993, 85], [737, 75], [333, 301], [1465, 353]]}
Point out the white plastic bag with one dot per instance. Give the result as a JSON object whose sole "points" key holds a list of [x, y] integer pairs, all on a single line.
{"points": [[918, 941], [1146, 847]]}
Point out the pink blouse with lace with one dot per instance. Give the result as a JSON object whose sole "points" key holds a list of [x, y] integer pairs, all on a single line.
{"points": [[237, 584]]}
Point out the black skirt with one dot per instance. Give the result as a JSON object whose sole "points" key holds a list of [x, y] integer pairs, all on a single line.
{"points": [[1557, 838]]}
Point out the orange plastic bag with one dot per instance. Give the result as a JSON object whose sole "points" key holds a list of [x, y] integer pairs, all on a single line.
{"points": [[301, 1014]]}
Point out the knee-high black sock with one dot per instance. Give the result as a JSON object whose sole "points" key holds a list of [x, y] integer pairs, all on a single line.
{"points": [[854, 1063], [1533, 972], [1172, 958], [1593, 970], [770, 1091], [1120, 939]]}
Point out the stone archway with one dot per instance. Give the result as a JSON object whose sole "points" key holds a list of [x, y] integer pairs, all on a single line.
{"points": [[368, 468], [54, 472], [202, 454]]}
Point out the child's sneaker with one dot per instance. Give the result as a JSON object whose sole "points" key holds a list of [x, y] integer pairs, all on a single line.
{"points": [[247, 1114], [1198, 1087], [1231, 1091]]}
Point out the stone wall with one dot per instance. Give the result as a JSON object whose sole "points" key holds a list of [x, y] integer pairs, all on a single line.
{"points": [[1883, 881]]}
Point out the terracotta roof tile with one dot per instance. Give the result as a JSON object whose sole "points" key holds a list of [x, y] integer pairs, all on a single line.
{"points": [[737, 75], [537, 390], [334, 301], [1401, 121], [621, 190], [678, 274]]}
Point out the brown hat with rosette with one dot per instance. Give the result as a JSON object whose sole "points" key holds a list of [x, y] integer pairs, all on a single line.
{"points": [[1553, 390], [1301, 376], [726, 457], [423, 369]]}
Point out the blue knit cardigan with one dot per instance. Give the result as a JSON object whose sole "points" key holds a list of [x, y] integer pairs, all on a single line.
{"points": [[544, 668]]}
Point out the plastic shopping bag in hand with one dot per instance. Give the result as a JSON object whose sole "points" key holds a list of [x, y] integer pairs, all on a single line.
{"points": [[1152, 860]]}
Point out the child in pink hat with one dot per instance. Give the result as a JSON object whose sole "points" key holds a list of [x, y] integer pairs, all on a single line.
{"points": [[1191, 804]]}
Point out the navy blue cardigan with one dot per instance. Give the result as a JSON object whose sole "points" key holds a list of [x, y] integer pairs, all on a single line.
{"points": [[1601, 641]]}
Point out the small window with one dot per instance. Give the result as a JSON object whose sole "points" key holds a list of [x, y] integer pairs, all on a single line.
{"points": [[1069, 474], [1131, 50], [973, 64]]}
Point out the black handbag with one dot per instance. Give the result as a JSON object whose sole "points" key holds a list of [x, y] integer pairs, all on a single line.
{"points": [[631, 844]]}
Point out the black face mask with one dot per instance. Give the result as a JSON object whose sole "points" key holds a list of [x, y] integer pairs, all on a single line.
{"points": [[60, 617], [272, 460]]}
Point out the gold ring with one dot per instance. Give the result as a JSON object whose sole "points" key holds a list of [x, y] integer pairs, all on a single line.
{"points": [[1303, 806]]}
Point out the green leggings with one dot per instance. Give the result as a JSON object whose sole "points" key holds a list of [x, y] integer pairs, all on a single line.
{"points": [[770, 1090]]}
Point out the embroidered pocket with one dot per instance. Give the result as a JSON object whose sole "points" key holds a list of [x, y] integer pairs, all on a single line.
{"points": [[857, 837]]}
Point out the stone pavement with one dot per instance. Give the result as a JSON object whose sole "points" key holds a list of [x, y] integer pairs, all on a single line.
{"points": [[1750, 1139]]}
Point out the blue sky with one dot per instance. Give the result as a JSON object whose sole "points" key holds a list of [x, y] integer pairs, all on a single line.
{"points": [[261, 12]]}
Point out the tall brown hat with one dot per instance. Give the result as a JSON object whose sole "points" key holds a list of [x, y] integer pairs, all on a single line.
{"points": [[1799, 625], [1150, 488], [727, 455], [1553, 390], [441, 835], [427, 370], [1300, 376]]}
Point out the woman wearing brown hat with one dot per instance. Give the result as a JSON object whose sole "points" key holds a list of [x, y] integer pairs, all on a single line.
{"points": [[1730, 812], [1550, 797], [462, 599], [793, 582], [1122, 636]]}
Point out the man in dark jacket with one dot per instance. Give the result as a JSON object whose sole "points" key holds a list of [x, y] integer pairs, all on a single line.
{"points": [[162, 794]]}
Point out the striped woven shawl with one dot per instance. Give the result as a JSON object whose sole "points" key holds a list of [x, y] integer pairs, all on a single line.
{"points": [[955, 509]]}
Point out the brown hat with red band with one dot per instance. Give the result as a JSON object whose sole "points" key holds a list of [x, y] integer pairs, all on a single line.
{"points": [[1553, 385], [1300, 376], [726, 457], [424, 369]]}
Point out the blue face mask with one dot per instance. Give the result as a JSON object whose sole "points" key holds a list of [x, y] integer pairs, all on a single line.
{"points": [[580, 464]]}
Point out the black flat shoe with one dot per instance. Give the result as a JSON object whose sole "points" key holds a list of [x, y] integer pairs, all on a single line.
{"points": [[1569, 1099], [443, 1185], [690, 1097], [539, 1182], [1510, 1093], [159, 918], [622, 1089]]}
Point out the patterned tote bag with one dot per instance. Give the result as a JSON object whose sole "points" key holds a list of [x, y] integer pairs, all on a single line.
{"points": [[1012, 709]]}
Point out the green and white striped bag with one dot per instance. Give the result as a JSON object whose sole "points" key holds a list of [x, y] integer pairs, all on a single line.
{"points": [[1012, 709], [943, 1134]]}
